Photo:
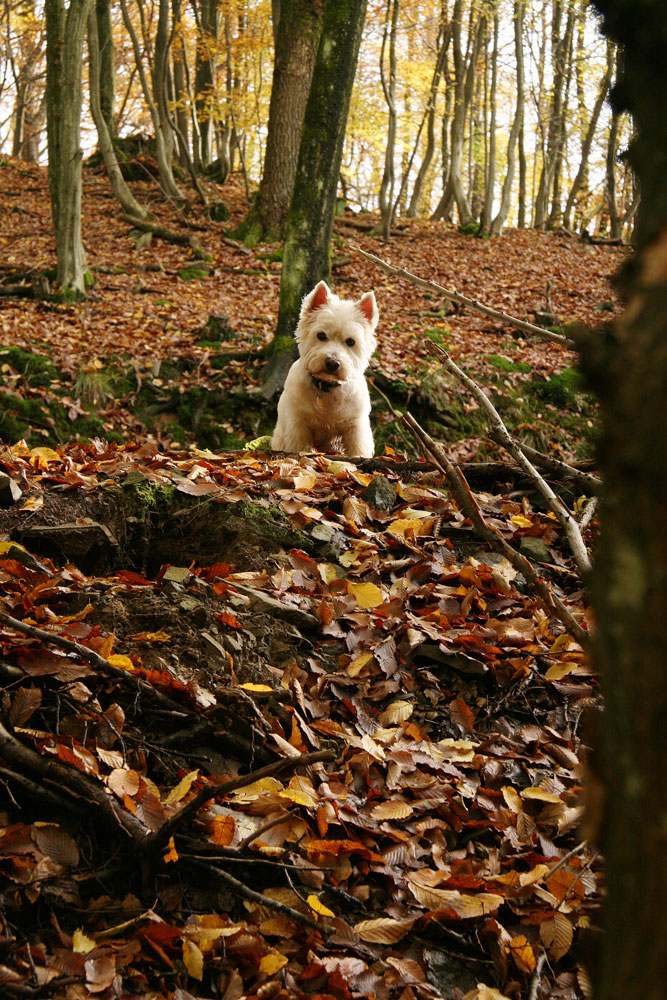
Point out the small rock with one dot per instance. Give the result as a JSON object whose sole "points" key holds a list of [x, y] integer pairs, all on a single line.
{"points": [[215, 651], [177, 574], [232, 643], [380, 493], [535, 548], [10, 491]]}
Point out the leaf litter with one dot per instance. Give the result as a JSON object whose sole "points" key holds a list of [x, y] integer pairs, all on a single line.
{"points": [[338, 757]]}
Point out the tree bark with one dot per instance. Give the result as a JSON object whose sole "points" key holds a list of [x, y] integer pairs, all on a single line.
{"points": [[310, 220], [389, 90], [517, 126], [490, 177], [630, 368], [107, 71], [163, 133], [582, 172], [65, 34], [444, 36], [297, 33], [118, 185], [204, 77]]}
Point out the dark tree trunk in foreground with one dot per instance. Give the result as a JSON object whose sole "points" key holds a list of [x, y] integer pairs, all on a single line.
{"points": [[631, 574], [297, 35], [64, 55], [311, 215]]}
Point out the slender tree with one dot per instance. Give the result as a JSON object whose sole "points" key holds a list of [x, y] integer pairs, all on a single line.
{"points": [[310, 220], [118, 185], [65, 31], [297, 25], [517, 124], [389, 91], [107, 68]]}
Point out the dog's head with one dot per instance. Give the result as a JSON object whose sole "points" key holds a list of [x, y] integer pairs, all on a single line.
{"points": [[336, 337]]}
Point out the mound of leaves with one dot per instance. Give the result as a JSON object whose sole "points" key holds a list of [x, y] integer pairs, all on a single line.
{"points": [[344, 761]]}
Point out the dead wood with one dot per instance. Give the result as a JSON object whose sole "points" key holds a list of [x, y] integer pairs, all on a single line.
{"points": [[463, 300], [565, 518], [469, 506]]}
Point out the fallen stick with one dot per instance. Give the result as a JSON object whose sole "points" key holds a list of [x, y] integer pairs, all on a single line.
{"points": [[565, 518], [156, 840], [469, 506], [463, 300], [584, 480]]}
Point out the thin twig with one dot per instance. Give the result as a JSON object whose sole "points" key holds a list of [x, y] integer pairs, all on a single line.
{"points": [[469, 506], [90, 656], [159, 838], [463, 300], [586, 481], [257, 897], [537, 975]]}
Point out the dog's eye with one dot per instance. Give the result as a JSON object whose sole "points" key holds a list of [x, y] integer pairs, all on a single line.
{"points": [[350, 341], [321, 335]]}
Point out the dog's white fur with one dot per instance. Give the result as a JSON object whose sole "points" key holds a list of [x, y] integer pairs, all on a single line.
{"points": [[325, 404]]}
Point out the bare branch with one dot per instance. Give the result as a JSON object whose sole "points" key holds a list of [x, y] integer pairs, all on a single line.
{"points": [[463, 300], [469, 506], [567, 522]]}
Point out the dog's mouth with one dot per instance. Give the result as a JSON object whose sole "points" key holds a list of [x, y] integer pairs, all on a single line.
{"points": [[324, 381]]}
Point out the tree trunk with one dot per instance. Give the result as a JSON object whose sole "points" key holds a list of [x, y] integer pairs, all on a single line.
{"points": [[389, 90], [561, 44], [587, 143], [464, 68], [517, 126], [107, 72], [311, 215], [444, 205], [444, 36], [163, 132], [297, 33], [64, 48], [181, 97], [204, 77], [490, 178], [612, 149], [630, 364], [118, 185]]}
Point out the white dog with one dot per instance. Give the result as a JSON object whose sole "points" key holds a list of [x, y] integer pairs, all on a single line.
{"points": [[325, 404]]}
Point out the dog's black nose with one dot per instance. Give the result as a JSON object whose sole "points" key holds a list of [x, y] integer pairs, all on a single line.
{"points": [[332, 365]]}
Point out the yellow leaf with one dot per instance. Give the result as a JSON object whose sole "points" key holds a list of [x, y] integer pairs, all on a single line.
{"points": [[393, 809], [398, 711], [160, 636], [193, 959], [522, 953], [222, 830], [484, 992], [272, 963], [521, 522], [171, 853], [560, 670], [304, 481], [182, 788], [317, 907], [41, 457], [366, 594], [82, 944], [300, 791], [540, 794], [258, 688], [512, 798], [358, 663], [383, 930], [122, 661], [257, 788]]}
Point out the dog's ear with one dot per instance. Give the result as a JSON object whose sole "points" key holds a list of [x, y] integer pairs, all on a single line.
{"points": [[368, 308], [319, 296]]}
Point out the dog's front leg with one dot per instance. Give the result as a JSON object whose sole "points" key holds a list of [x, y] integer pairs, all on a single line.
{"points": [[358, 441], [292, 438]]}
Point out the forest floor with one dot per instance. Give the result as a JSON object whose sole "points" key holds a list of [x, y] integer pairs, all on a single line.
{"points": [[278, 726]]}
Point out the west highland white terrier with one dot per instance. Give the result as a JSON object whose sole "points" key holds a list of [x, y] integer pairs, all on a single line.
{"points": [[325, 404]]}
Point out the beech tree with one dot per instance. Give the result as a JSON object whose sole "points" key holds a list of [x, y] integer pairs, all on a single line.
{"points": [[65, 30], [310, 220], [296, 27]]}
